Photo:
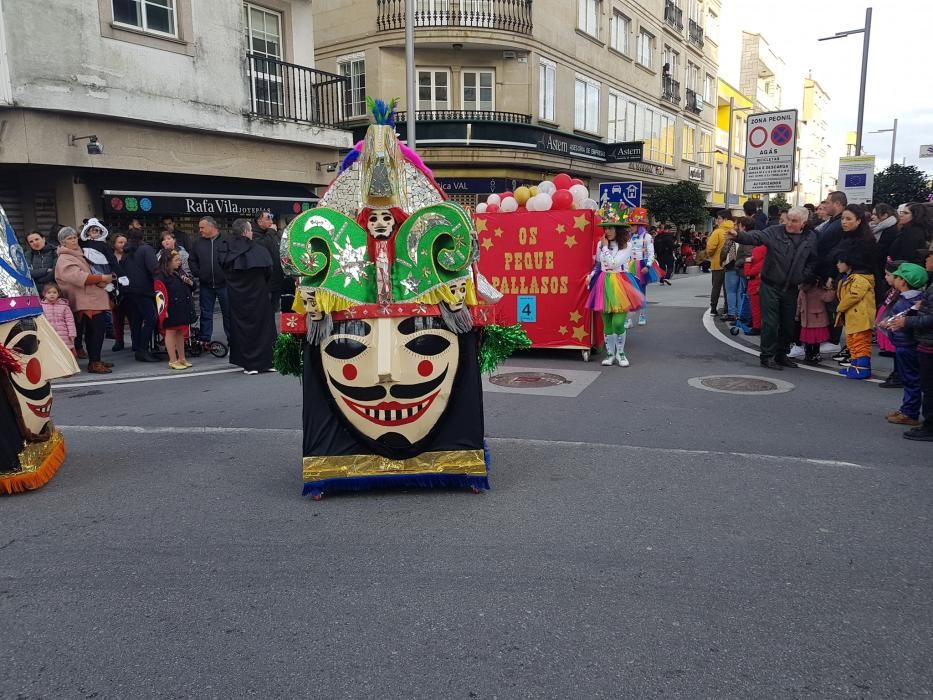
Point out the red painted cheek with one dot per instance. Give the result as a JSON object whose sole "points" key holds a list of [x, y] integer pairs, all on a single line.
{"points": [[425, 368], [34, 371], [349, 372]]}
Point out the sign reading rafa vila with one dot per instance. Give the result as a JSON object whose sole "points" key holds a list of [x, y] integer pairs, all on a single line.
{"points": [[539, 261]]}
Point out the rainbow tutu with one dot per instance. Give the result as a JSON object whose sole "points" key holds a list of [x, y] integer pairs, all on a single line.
{"points": [[645, 273], [615, 292]]}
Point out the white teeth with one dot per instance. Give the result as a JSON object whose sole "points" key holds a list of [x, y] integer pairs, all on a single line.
{"points": [[390, 416]]}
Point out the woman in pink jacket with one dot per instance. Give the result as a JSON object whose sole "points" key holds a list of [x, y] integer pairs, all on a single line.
{"points": [[86, 293]]}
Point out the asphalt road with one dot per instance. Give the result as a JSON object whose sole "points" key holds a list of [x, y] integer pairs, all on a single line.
{"points": [[642, 539]]}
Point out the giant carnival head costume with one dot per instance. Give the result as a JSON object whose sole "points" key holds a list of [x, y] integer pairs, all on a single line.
{"points": [[387, 294], [31, 354]]}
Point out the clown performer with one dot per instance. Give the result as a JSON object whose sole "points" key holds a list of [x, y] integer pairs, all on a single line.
{"points": [[389, 301], [31, 354], [644, 264], [613, 290]]}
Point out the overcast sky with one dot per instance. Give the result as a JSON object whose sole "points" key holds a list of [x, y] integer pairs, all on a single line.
{"points": [[900, 84]]}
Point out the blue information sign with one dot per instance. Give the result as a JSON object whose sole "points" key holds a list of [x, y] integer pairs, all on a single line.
{"points": [[628, 193], [527, 309]]}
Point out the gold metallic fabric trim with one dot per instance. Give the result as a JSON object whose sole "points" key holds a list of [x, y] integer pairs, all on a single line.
{"points": [[34, 454], [470, 462]]}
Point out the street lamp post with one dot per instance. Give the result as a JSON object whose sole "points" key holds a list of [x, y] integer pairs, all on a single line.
{"points": [[893, 132], [866, 38], [410, 73]]}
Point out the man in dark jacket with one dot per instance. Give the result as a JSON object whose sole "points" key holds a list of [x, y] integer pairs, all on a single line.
{"points": [[204, 260], [753, 211], [664, 247], [831, 234], [42, 258], [267, 235], [139, 266], [791, 258]]}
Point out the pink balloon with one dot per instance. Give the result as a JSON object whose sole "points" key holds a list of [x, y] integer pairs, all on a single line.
{"points": [[494, 208], [562, 199], [563, 181], [507, 194], [576, 181]]}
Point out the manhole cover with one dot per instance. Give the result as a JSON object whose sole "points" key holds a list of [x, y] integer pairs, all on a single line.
{"points": [[528, 380], [740, 384]]}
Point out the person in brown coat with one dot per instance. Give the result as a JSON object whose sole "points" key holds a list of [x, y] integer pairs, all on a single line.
{"points": [[87, 295]]}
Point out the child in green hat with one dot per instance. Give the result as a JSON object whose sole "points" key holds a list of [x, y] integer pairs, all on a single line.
{"points": [[909, 280]]}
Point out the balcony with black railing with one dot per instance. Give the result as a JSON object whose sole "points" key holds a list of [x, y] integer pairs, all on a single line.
{"points": [[695, 34], [670, 89], [289, 92], [694, 101], [465, 115], [505, 15], [673, 16]]}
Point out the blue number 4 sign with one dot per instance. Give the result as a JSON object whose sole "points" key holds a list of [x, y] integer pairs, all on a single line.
{"points": [[527, 309]]}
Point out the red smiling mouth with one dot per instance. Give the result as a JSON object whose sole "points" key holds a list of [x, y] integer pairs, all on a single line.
{"points": [[42, 410], [392, 413]]}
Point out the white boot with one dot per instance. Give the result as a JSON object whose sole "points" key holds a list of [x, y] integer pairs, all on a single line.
{"points": [[642, 319], [610, 350], [620, 351]]}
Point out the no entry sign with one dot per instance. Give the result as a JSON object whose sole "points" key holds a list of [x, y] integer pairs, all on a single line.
{"points": [[771, 152]]}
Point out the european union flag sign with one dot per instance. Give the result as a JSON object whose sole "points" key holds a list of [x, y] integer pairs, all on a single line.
{"points": [[856, 180]]}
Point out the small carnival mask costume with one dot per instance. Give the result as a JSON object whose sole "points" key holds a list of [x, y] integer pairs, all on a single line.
{"points": [[31, 354], [391, 375]]}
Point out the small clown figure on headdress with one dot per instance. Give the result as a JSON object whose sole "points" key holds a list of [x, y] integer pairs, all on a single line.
{"points": [[614, 291], [644, 264], [31, 354], [387, 285]]}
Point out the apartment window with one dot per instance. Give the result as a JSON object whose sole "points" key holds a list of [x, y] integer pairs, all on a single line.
{"points": [[155, 16], [709, 89], [547, 87], [738, 136], [720, 184], [645, 48], [705, 153], [586, 104], [354, 97], [658, 133], [712, 26], [693, 77], [694, 12], [588, 16], [736, 184], [433, 89], [689, 146], [671, 61], [630, 119], [618, 32], [264, 40], [479, 90], [617, 122]]}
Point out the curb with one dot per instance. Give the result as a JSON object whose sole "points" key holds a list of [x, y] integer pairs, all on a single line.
{"points": [[710, 325]]}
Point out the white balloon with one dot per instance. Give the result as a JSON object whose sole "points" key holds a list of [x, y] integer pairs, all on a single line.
{"points": [[546, 187], [509, 204], [544, 201], [530, 204], [493, 199], [579, 193], [481, 208], [590, 204]]}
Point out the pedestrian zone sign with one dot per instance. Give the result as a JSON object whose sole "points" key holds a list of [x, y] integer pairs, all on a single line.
{"points": [[628, 193], [771, 152]]}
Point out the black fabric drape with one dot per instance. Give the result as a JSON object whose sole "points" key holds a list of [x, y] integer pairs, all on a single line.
{"points": [[247, 267]]}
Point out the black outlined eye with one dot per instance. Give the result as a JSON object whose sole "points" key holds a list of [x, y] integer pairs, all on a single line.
{"points": [[344, 348], [428, 344]]}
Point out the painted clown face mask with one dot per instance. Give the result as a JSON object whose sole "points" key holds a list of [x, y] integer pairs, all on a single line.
{"points": [[39, 357], [391, 377], [380, 223]]}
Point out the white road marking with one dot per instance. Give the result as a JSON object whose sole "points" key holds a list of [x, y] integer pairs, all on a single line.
{"points": [[134, 380], [296, 433], [710, 325]]}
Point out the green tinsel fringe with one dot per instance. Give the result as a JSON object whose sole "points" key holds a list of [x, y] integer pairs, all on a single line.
{"points": [[499, 342], [288, 355]]}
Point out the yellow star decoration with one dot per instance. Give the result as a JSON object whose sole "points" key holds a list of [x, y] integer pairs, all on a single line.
{"points": [[575, 316], [579, 222], [579, 332], [498, 233], [563, 330], [480, 225], [560, 228], [487, 243], [570, 241]]}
